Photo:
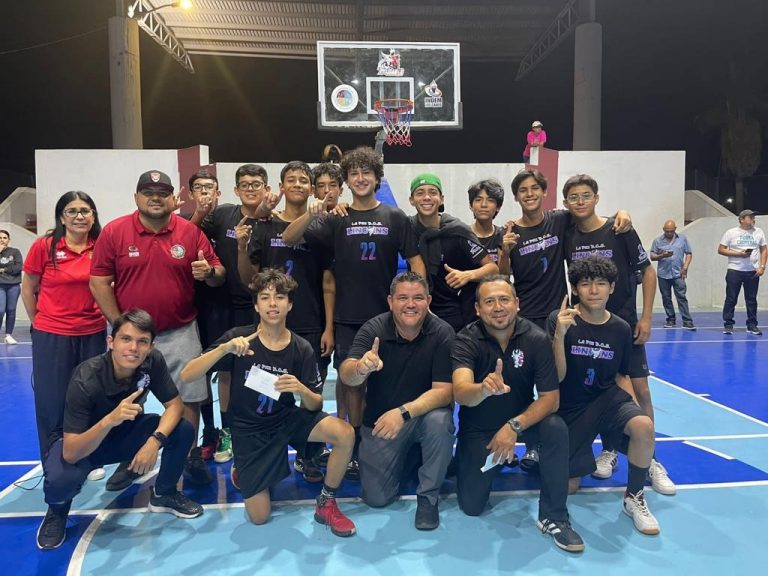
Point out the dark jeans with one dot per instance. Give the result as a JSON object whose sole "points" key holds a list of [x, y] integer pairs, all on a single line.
{"points": [[54, 357], [678, 285], [474, 486], [63, 481], [9, 297], [734, 280]]}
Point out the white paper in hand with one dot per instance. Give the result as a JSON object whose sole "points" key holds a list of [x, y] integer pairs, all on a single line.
{"points": [[489, 463], [263, 382]]}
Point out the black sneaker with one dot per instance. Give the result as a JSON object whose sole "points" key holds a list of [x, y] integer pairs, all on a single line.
{"points": [[121, 478], [564, 535], [308, 469], [755, 331], [196, 469], [177, 504], [689, 326], [322, 458], [670, 324], [727, 329], [53, 528], [427, 515], [353, 471], [530, 461]]}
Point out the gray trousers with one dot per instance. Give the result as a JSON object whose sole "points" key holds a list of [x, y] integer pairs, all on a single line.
{"points": [[381, 461]]}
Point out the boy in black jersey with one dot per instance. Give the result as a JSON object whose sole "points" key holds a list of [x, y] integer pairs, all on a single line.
{"points": [[328, 183], [485, 200], [365, 244], [228, 226], [454, 257], [309, 264], [498, 361], [593, 235], [263, 427], [593, 350]]}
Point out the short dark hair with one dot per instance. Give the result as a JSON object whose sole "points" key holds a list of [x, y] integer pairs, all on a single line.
{"points": [[494, 278], [592, 268], [579, 180], [363, 157], [407, 276], [282, 283], [6, 233], [203, 175], [139, 318], [297, 165], [333, 170], [541, 180], [492, 187], [251, 170]]}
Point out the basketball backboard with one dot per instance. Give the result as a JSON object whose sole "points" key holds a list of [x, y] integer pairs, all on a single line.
{"points": [[352, 76]]}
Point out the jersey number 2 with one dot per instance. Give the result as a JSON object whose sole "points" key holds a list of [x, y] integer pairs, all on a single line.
{"points": [[369, 250]]}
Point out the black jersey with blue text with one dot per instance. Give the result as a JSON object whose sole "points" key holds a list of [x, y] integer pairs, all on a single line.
{"points": [[537, 264], [250, 409], [626, 251], [492, 243], [304, 262]]}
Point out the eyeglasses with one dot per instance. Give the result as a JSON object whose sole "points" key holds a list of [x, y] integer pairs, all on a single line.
{"points": [[585, 197], [162, 193], [245, 186], [201, 187], [75, 212]]}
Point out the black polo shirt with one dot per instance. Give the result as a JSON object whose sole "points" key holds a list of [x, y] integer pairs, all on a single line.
{"points": [[410, 367], [528, 362], [94, 392]]}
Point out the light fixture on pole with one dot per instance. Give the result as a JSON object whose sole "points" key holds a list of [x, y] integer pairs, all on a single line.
{"points": [[139, 8]]}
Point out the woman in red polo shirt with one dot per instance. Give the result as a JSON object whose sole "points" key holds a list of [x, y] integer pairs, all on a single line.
{"points": [[68, 326]]}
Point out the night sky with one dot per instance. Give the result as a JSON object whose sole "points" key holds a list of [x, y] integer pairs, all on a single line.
{"points": [[664, 64]]}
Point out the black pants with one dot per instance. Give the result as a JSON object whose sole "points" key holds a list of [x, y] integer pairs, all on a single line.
{"points": [[734, 280], [474, 486], [63, 480]]}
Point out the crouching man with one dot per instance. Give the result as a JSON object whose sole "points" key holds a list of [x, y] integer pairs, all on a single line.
{"points": [[105, 423]]}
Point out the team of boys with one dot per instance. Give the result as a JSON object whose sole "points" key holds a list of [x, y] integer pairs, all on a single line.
{"points": [[532, 361]]}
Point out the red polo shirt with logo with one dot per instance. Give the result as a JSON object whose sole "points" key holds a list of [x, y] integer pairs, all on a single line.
{"points": [[65, 305], [153, 270]]}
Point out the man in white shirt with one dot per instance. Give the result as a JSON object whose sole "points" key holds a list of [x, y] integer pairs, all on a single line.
{"points": [[747, 253]]}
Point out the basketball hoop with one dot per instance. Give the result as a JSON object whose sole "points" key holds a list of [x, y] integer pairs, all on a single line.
{"points": [[395, 115]]}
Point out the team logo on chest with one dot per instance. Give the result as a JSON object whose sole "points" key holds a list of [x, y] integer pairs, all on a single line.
{"points": [[177, 251], [133, 251], [61, 255], [518, 358]]}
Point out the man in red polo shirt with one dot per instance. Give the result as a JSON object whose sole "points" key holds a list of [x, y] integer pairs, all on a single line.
{"points": [[151, 260]]}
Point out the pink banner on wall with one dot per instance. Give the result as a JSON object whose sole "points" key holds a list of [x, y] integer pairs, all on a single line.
{"points": [[548, 164]]}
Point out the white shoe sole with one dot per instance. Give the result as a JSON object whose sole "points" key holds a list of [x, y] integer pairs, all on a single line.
{"points": [[221, 457], [153, 508], [646, 531]]}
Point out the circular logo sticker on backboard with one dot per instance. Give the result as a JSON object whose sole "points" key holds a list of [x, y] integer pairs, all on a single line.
{"points": [[344, 98]]}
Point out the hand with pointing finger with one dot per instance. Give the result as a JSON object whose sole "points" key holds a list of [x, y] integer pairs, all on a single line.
{"points": [[126, 410], [456, 278], [493, 384], [566, 318], [370, 362], [201, 270], [510, 239], [240, 345], [270, 201], [243, 233]]}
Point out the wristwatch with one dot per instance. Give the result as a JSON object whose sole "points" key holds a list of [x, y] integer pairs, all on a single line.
{"points": [[160, 437], [404, 413], [517, 428]]}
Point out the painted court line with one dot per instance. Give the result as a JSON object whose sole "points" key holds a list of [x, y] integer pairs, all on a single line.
{"points": [[20, 463], [36, 471], [709, 401], [710, 450]]}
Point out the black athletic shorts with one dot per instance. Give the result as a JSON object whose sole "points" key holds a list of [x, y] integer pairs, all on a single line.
{"points": [[638, 362], [261, 456], [609, 420], [322, 361], [344, 336]]}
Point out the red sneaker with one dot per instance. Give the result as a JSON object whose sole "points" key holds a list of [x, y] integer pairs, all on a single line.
{"points": [[329, 514], [235, 478], [209, 444]]}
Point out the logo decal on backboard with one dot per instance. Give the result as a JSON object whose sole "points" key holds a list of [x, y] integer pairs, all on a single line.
{"points": [[434, 96], [389, 64], [344, 98]]}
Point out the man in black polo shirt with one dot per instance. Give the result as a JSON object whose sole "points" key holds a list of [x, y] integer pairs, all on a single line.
{"points": [[404, 356], [104, 423], [593, 355], [497, 362]]}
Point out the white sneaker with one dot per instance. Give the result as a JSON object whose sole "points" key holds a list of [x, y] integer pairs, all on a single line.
{"points": [[10, 339], [96, 474], [660, 480], [606, 463], [636, 508]]}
